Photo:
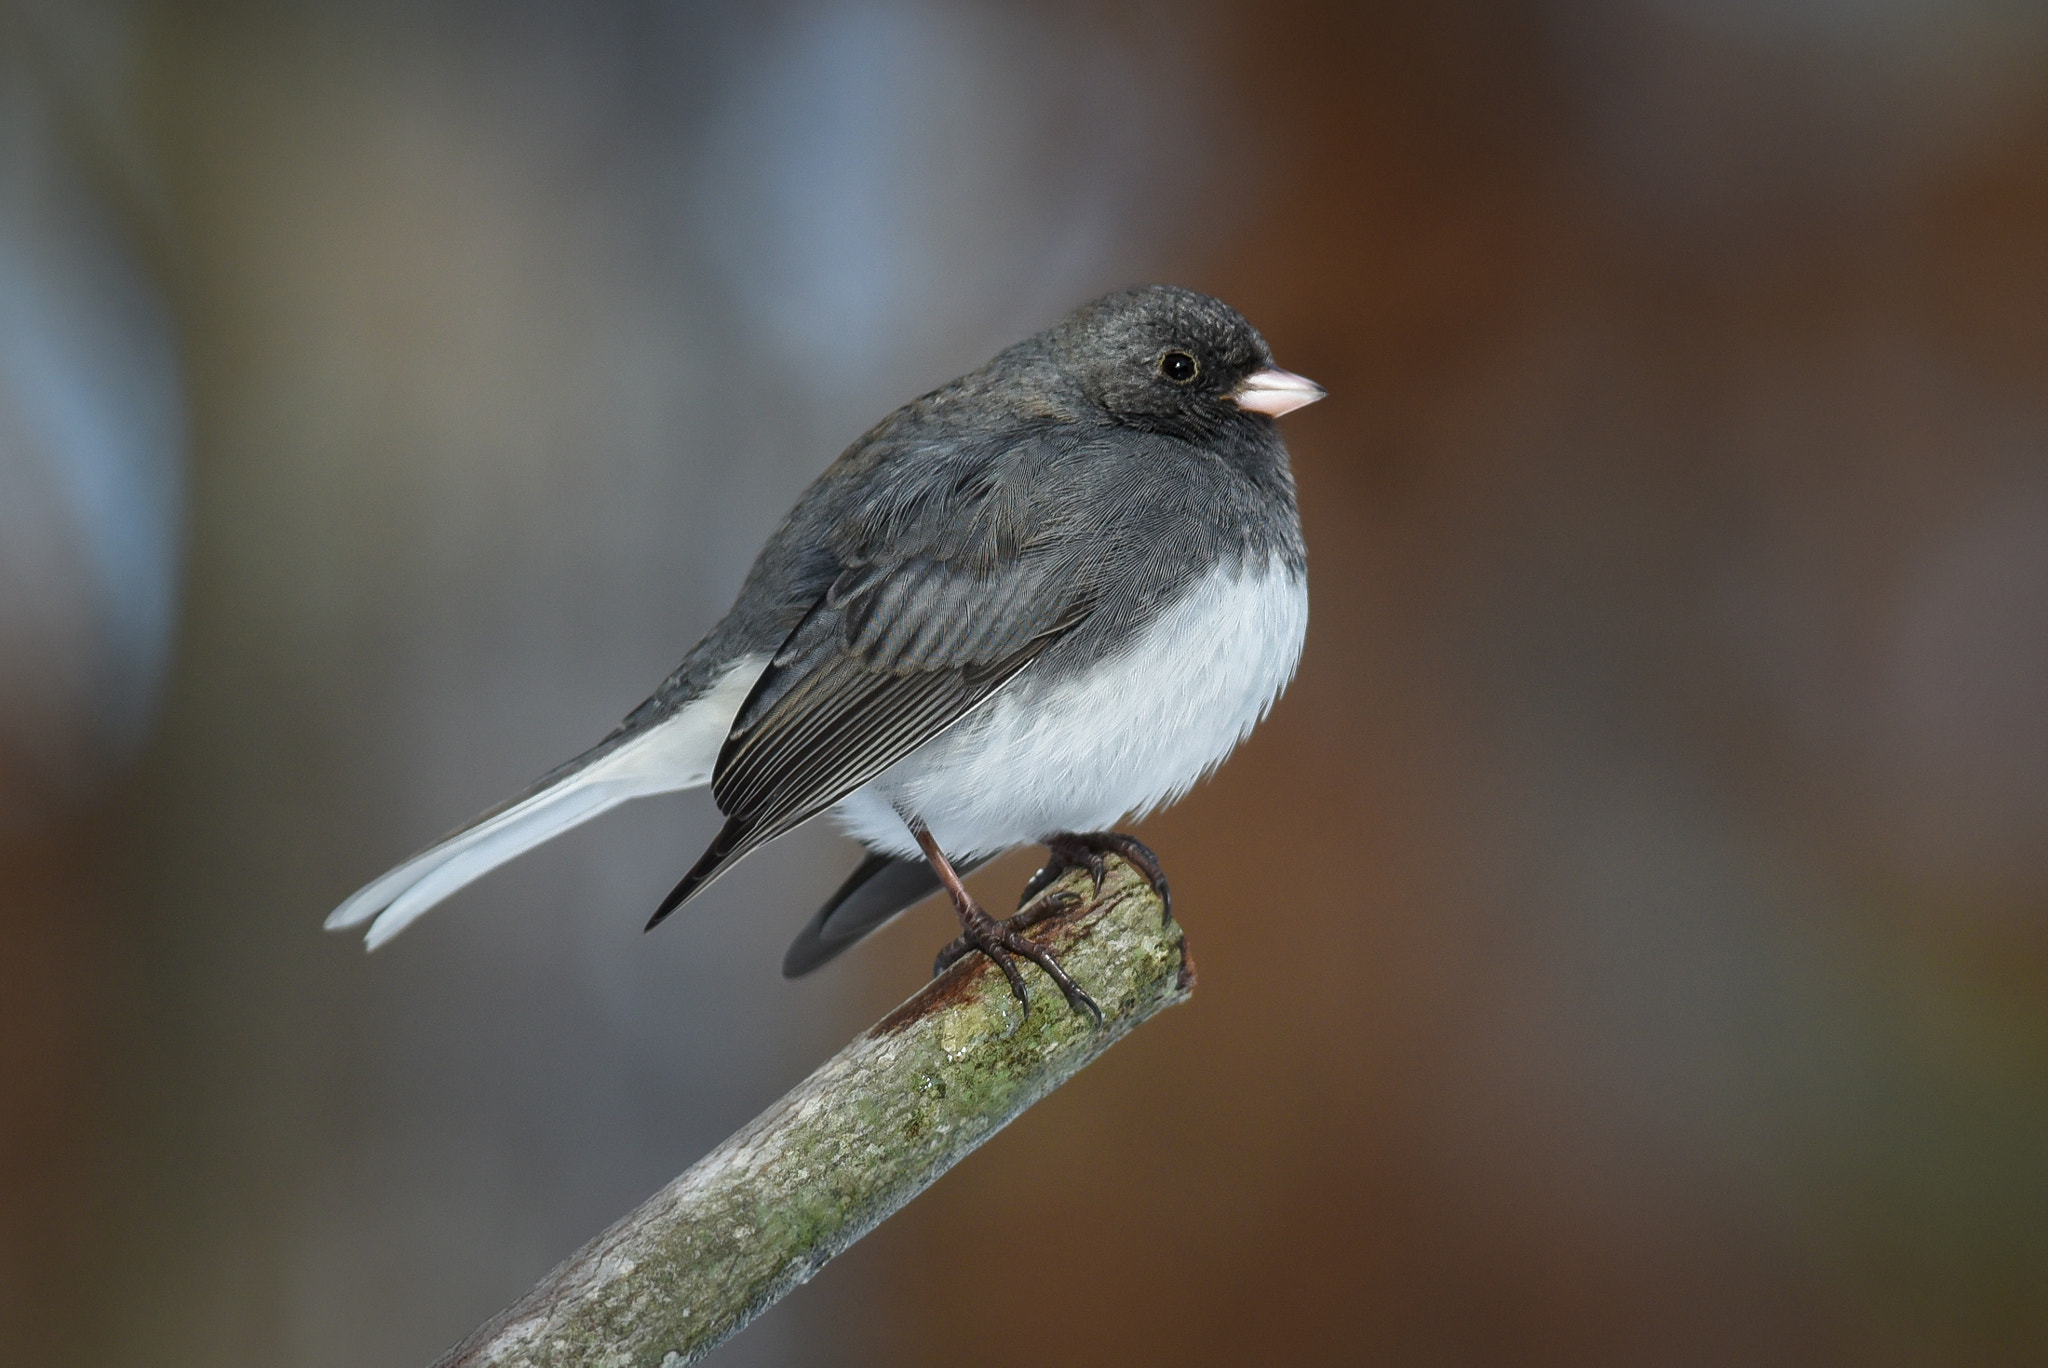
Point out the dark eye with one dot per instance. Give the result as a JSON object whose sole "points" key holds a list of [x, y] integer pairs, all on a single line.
{"points": [[1178, 367]]}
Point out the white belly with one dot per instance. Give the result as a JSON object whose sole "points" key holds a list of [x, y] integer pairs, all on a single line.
{"points": [[1131, 735]]}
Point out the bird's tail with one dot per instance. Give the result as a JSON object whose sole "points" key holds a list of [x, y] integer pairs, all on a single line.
{"points": [[676, 752], [872, 896]]}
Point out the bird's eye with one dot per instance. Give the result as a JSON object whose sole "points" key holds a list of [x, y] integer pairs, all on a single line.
{"points": [[1178, 367]]}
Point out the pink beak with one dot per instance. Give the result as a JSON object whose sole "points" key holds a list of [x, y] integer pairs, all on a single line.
{"points": [[1274, 392]]}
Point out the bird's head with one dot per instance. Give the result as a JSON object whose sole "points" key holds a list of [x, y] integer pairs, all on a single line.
{"points": [[1170, 360]]}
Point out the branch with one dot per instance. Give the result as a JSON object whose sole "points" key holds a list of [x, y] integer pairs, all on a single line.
{"points": [[844, 1149]]}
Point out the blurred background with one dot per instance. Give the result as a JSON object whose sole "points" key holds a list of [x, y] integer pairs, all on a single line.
{"points": [[1627, 943]]}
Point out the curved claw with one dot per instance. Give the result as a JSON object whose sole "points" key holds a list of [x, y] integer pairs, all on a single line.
{"points": [[1084, 850], [1140, 857], [998, 940], [1077, 1000], [1010, 972], [1001, 941]]}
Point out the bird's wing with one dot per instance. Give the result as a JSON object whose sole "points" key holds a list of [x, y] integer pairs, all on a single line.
{"points": [[951, 585], [862, 689]]}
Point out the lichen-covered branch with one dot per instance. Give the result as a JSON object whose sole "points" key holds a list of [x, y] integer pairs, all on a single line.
{"points": [[843, 1150]]}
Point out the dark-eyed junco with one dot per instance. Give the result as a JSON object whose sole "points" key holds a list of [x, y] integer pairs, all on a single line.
{"points": [[1053, 593]]}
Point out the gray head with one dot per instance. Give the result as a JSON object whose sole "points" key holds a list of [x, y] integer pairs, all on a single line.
{"points": [[1155, 357], [1167, 359]]}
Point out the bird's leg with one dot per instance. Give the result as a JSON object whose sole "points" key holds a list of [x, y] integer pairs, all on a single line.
{"points": [[1085, 849], [997, 939]]}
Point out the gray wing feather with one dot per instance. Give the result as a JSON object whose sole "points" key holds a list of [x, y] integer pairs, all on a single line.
{"points": [[949, 576], [950, 583]]}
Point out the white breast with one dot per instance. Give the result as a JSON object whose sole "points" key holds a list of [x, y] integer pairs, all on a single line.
{"points": [[1132, 734]]}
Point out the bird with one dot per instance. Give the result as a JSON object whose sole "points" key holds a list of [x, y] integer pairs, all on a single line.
{"points": [[1050, 595]]}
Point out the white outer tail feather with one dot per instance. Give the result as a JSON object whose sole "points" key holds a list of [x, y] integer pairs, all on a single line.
{"points": [[677, 753], [428, 878]]}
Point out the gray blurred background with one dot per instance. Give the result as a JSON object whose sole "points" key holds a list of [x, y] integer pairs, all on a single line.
{"points": [[1626, 944]]}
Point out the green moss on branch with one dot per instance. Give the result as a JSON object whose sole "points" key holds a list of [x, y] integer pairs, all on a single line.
{"points": [[848, 1146]]}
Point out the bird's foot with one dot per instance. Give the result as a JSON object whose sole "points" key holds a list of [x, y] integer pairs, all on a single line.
{"points": [[1003, 940], [1085, 850]]}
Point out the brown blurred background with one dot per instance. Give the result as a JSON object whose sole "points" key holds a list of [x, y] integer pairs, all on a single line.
{"points": [[1626, 944]]}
